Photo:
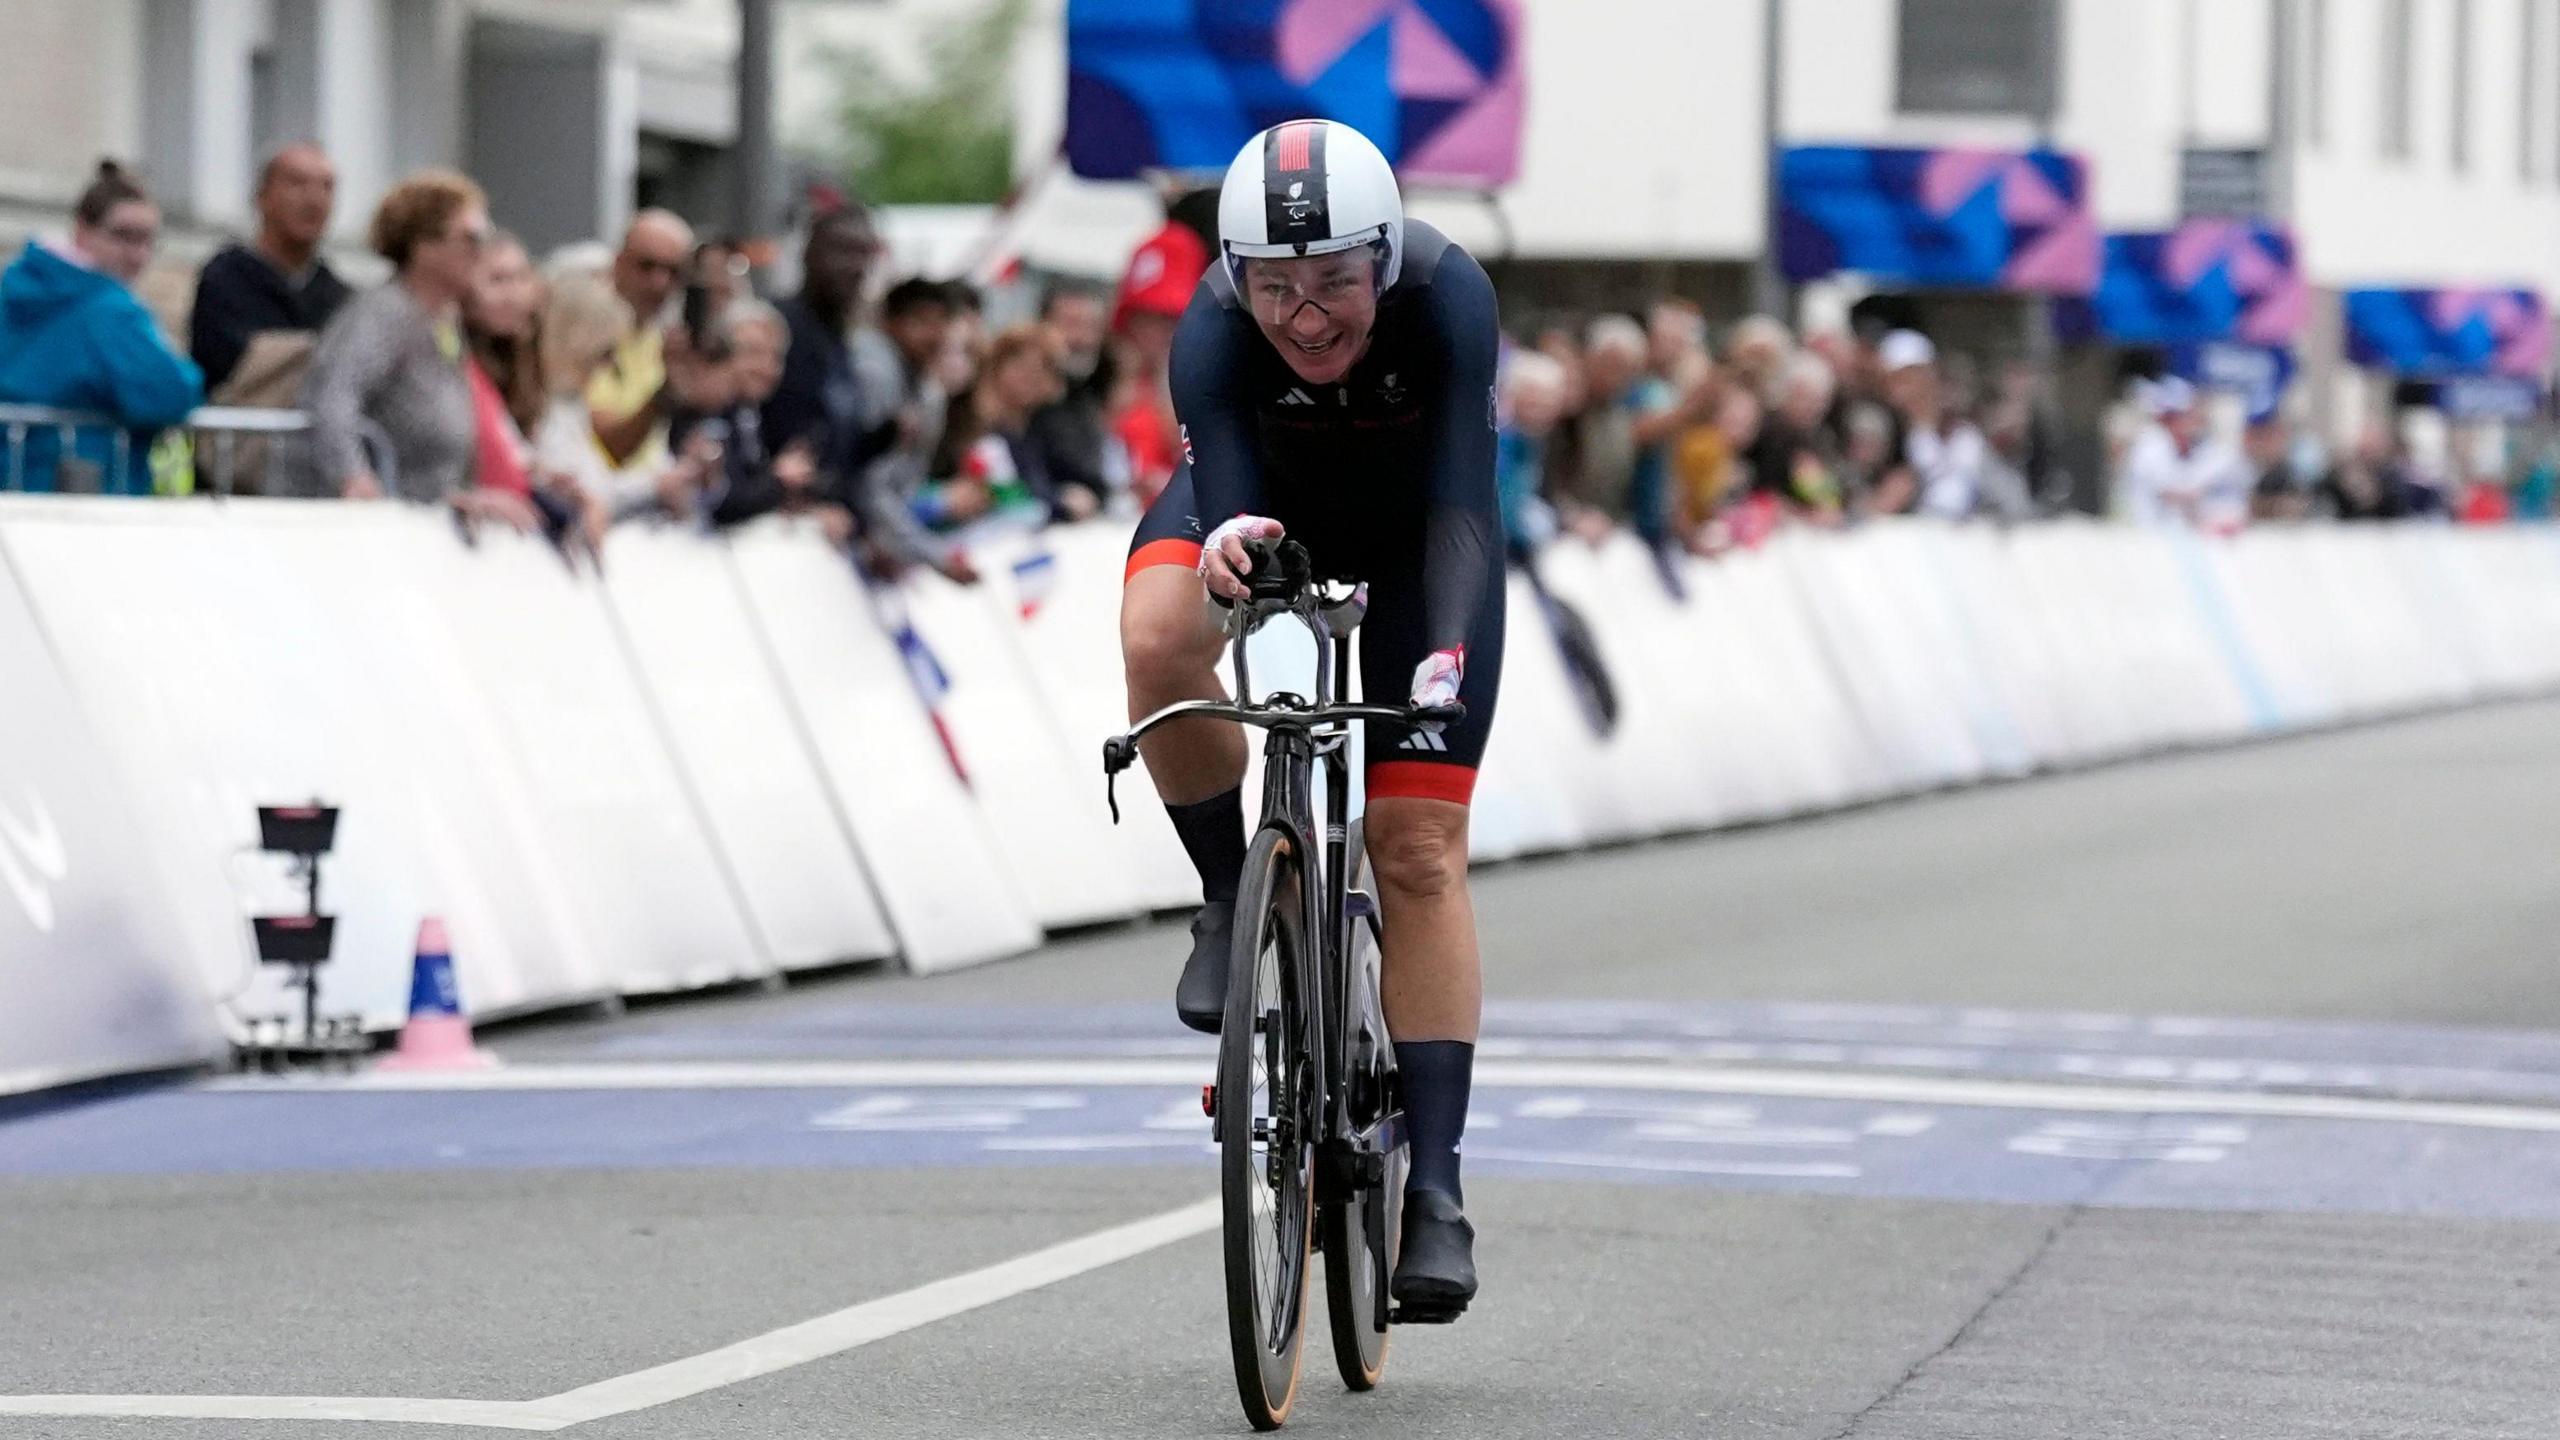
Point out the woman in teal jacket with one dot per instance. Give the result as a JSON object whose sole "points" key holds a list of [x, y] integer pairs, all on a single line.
{"points": [[73, 335]]}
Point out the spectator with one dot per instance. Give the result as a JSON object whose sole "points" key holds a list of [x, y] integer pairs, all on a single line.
{"points": [[2282, 489], [503, 366], [584, 325], [1626, 422], [999, 474], [74, 335], [1154, 291], [818, 403], [627, 396], [1534, 392], [902, 366], [1757, 352], [1068, 436], [1944, 455], [1717, 475], [1675, 331], [2369, 484], [260, 307], [965, 342], [1562, 463], [718, 281], [2175, 473], [2537, 478], [1793, 460], [744, 484], [389, 367]]}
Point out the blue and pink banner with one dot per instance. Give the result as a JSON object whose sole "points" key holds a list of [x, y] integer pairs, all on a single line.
{"points": [[1182, 84], [2206, 281], [2422, 333], [1953, 219]]}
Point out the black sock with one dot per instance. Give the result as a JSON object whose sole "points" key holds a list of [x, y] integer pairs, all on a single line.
{"points": [[1212, 832], [1435, 1076]]}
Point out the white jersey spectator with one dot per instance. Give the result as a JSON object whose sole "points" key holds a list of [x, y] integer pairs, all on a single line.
{"points": [[2175, 473]]}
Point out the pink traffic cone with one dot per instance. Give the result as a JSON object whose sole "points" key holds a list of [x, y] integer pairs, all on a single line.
{"points": [[438, 1035]]}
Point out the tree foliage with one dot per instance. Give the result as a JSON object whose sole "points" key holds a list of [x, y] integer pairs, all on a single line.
{"points": [[947, 139]]}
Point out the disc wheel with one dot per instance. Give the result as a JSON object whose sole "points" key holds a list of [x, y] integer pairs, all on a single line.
{"points": [[1266, 1130]]}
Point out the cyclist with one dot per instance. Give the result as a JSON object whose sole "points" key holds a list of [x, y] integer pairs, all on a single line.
{"points": [[1333, 379]]}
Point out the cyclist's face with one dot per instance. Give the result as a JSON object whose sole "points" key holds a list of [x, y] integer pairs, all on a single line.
{"points": [[1316, 309]]}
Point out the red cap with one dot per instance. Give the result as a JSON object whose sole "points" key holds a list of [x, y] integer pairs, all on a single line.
{"points": [[1162, 274]]}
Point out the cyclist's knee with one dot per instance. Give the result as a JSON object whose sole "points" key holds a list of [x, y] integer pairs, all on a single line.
{"points": [[1163, 639], [1418, 847]]}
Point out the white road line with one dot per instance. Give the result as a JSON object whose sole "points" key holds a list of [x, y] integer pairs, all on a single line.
{"points": [[878, 1319], [483, 1414], [1806, 1084], [792, 1345]]}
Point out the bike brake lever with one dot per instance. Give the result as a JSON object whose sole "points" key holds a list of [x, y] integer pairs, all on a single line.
{"points": [[1118, 754]]}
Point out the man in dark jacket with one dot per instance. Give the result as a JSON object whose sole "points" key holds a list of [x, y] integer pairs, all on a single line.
{"points": [[1068, 437], [276, 282]]}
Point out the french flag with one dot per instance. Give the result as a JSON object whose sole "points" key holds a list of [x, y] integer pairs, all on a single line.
{"points": [[1035, 579]]}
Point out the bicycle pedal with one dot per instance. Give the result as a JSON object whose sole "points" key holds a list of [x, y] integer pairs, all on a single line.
{"points": [[1411, 1313]]}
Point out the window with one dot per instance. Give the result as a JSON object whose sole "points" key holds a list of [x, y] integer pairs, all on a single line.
{"points": [[1978, 57], [2399, 59], [2462, 83]]}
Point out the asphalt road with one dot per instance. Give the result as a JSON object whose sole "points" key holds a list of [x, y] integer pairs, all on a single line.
{"points": [[2208, 1096]]}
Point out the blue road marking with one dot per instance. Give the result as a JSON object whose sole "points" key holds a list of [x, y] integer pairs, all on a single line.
{"points": [[2171, 1051], [1958, 1153]]}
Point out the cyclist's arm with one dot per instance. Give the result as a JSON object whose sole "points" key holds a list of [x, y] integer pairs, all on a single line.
{"points": [[1462, 528], [1207, 375]]}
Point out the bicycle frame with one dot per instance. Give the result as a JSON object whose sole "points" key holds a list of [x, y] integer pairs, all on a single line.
{"points": [[1303, 733]]}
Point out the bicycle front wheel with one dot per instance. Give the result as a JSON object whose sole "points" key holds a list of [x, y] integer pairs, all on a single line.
{"points": [[1266, 1110]]}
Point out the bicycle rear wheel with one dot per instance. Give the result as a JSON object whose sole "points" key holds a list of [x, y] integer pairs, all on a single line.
{"points": [[1362, 1228], [1266, 1133]]}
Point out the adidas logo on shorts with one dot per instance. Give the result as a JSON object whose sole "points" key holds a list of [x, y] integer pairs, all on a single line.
{"points": [[1424, 740]]}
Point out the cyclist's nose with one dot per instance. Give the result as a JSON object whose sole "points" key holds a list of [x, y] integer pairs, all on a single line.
{"points": [[1310, 321]]}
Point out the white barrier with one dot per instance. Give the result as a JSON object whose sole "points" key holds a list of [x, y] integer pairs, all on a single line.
{"points": [[723, 759], [681, 619], [96, 955], [948, 889]]}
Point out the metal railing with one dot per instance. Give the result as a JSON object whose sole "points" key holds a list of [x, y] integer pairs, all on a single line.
{"points": [[225, 446]]}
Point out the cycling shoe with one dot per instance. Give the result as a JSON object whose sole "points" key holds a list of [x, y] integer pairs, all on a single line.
{"points": [[1200, 998], [1436, 1271]]}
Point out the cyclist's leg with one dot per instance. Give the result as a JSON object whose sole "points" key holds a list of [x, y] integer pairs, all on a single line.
{"points": [[1169, 648], [1419, 787]]}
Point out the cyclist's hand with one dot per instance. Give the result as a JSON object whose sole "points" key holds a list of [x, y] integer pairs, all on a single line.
{"points": [[1436, 681], [1223, 561]]}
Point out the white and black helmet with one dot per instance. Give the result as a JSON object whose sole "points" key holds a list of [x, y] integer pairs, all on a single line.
{"points": [[1310, 187]]}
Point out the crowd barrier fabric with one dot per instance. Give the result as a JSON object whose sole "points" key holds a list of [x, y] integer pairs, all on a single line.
{"points": [[711, 759], [1067, 594], [445, 762], [99, 967], [869, 709], [1040, 796], [785, 849], [205, 666], [634, 856]]}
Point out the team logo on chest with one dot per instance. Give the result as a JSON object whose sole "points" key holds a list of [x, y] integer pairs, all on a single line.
{"points": [[1391, 390]]}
